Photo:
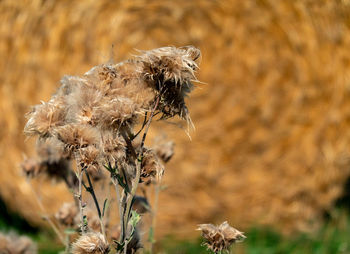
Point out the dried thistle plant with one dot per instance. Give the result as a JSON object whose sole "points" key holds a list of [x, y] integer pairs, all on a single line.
{"points": [[11, 243], [220, 238], [91, 120], [91, 243]]}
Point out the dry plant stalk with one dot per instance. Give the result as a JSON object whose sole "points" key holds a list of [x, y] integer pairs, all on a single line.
{"points": [[91, 121]]}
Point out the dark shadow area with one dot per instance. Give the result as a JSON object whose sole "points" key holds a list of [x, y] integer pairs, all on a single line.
{"points": [[344, 200], [10, 220]]}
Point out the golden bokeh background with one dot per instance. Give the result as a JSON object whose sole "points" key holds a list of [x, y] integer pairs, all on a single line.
{"points": [[271, 145]]}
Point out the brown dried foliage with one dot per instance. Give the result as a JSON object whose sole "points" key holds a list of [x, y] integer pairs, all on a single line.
{"points": [[14, 244], [91, 243], [220, 238]]}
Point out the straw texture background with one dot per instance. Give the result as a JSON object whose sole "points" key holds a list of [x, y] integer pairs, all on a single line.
{"points": [[272, 137]]}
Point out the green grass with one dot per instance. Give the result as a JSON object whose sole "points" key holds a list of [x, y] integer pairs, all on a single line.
{"points": [[333, 237]]}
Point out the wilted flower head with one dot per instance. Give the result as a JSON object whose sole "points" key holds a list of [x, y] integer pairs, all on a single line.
{"points": [[66, 214], [89, 158], [91, 243], [164, 150], [76, 136], [45, 117], [114, 148], [14, 244], [220, 238], [31, 167], [170, 71], [140, 204], [151, 165]]}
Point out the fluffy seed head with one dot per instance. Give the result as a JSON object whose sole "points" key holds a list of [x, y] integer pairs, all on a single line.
{"points": [[14, 244], [45, 117], [31, 167], [76, 136], [83, 102], [111, 114], [140, 205], [114, 148], [170, 71], [220, 238], [91, 243], [89, 158], [66, 214], [164, 150], [151, 165]]}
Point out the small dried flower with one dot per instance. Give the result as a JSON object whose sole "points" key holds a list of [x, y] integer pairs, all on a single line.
{"points": [[151, 165], [114, 148], [76, 136], [170, 71], [89, 157], [31, 167], [54, 159], [14, 244], [220, 238], [83, 103], [66, 214], [140, 205], [91, 243], [45, 117], [112, 113], [164, 150], [51, 150]]}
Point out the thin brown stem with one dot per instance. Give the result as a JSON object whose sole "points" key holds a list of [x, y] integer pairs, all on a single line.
{"points": [[91, 190], [136, 180], [117, 191], [79, 196], [47, 218], [148, 125], [143, 125], [154, 212]]}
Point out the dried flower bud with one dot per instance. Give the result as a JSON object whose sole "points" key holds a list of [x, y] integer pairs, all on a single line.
{"points": [[170, 71], [14, 244], [66, 214], [76, 136], [51, 150], [31, 167], [164, 150], [219, 238], [45, 117], [114, 148], [114, 112], [89, 158], [151, 165], [140, 205], [83, 102], [91, 243]]}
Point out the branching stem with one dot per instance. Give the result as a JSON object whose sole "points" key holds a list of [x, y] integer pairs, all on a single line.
{"points": [[90, 189]]}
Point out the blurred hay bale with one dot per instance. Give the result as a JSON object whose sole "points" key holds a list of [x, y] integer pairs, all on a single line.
{"points": [[271, 145]]}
